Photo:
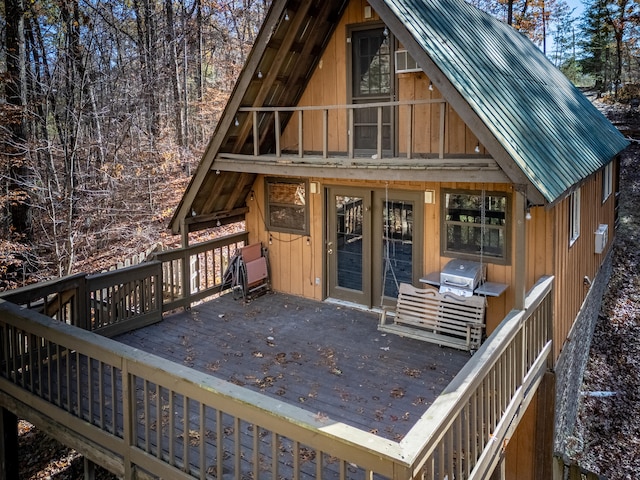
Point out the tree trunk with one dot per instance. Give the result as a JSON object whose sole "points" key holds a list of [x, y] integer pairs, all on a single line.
{"points": [[544, 28], [146, 43], [174, 72], [17, 208]]}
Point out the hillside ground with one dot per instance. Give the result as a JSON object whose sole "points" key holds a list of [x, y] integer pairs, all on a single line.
{"points": [[607, 439]]}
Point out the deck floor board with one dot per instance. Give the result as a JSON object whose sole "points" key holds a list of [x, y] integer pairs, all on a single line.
{"points": [[326, 358]]}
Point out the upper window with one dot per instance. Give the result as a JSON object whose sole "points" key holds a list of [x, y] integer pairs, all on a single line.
{"points": [[607, 181], [287, 209], [475, 225], [574, 216], [372, 63]]}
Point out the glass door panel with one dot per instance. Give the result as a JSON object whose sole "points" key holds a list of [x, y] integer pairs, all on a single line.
{"points": [[349, 216], [397, 245], [348, 246]]}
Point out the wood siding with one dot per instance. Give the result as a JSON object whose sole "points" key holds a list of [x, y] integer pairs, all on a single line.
{"points": [[574, 262], [329, 86], [296, 261]]}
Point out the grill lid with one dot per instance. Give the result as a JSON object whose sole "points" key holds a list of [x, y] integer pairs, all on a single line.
{"points": [[462, 277]]}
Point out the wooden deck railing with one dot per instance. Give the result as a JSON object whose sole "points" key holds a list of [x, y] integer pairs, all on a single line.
{"points": [[133, 411], [468, 426], [202, 264], [111, 303], [337, 124]]}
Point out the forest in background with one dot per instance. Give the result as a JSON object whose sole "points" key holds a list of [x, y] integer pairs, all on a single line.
{"points": [[106, 107]]}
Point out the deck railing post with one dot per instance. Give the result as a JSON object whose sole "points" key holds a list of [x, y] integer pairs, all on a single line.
{"points": [[443, 113], [256, 135], [325, 133], [300, 134], [409, 131], [379, 136], [128, 419], [350, 132], [186, 278], [83, 306], [276, 117]]}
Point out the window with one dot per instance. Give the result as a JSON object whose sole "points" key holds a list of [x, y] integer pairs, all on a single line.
{"points": [[469, 230], [574, 217], [372, 63], [286, 201], [607, 181], [405, 62]]}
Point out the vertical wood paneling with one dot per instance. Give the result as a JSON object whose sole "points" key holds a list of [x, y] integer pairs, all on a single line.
{"points": [[431, 250], [296, 247], [406, 88], [521, 447], [573, 263], [456, 130], [295, 265], [422, 115], [317, 241], [434, 119], [328, 86]]}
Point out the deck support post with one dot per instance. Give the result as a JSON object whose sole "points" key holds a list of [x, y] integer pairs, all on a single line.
{"points": [[544, 426], [89, 469], [8, 445]]}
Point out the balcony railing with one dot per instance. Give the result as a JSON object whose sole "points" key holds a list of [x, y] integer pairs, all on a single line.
{"points": [[145, 413], [325, 130]]}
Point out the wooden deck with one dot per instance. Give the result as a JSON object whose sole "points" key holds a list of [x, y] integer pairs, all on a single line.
{"points": [[316, 379], [322, 357]]}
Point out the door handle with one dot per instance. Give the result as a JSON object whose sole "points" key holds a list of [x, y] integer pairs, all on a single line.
{"points": [[330, 251]]}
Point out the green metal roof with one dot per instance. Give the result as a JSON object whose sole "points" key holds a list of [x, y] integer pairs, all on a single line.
{"points": [[546, 125]]}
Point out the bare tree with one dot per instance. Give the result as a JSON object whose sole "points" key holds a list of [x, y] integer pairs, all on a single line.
{"points": [[16, 197], [106, 103]]}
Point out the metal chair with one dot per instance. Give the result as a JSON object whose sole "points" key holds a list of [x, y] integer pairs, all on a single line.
{"points": [[248, 272]]}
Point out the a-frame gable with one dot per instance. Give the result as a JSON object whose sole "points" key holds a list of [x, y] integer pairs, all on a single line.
{"points": [[277, 69], [536, 126]]}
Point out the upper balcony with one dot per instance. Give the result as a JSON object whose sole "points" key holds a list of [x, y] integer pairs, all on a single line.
{"points": [[124, 404], [384, 139]]}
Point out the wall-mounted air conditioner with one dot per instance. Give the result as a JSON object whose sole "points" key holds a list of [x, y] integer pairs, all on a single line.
{"points": [[602, 237], [405, 62]]}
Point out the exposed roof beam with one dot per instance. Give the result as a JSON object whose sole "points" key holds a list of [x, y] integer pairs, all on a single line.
{"points": [[274, 69], [227, 118], [238, 189]]}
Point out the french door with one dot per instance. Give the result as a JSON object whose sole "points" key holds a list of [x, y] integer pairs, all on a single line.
{"points": [[373, 243]]}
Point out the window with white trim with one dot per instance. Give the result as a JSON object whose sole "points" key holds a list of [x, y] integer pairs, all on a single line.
{"points": [[574, 216], [607, 181]]}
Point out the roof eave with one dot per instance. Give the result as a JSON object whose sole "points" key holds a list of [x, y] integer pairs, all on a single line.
{"points": [[262, 40]]}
